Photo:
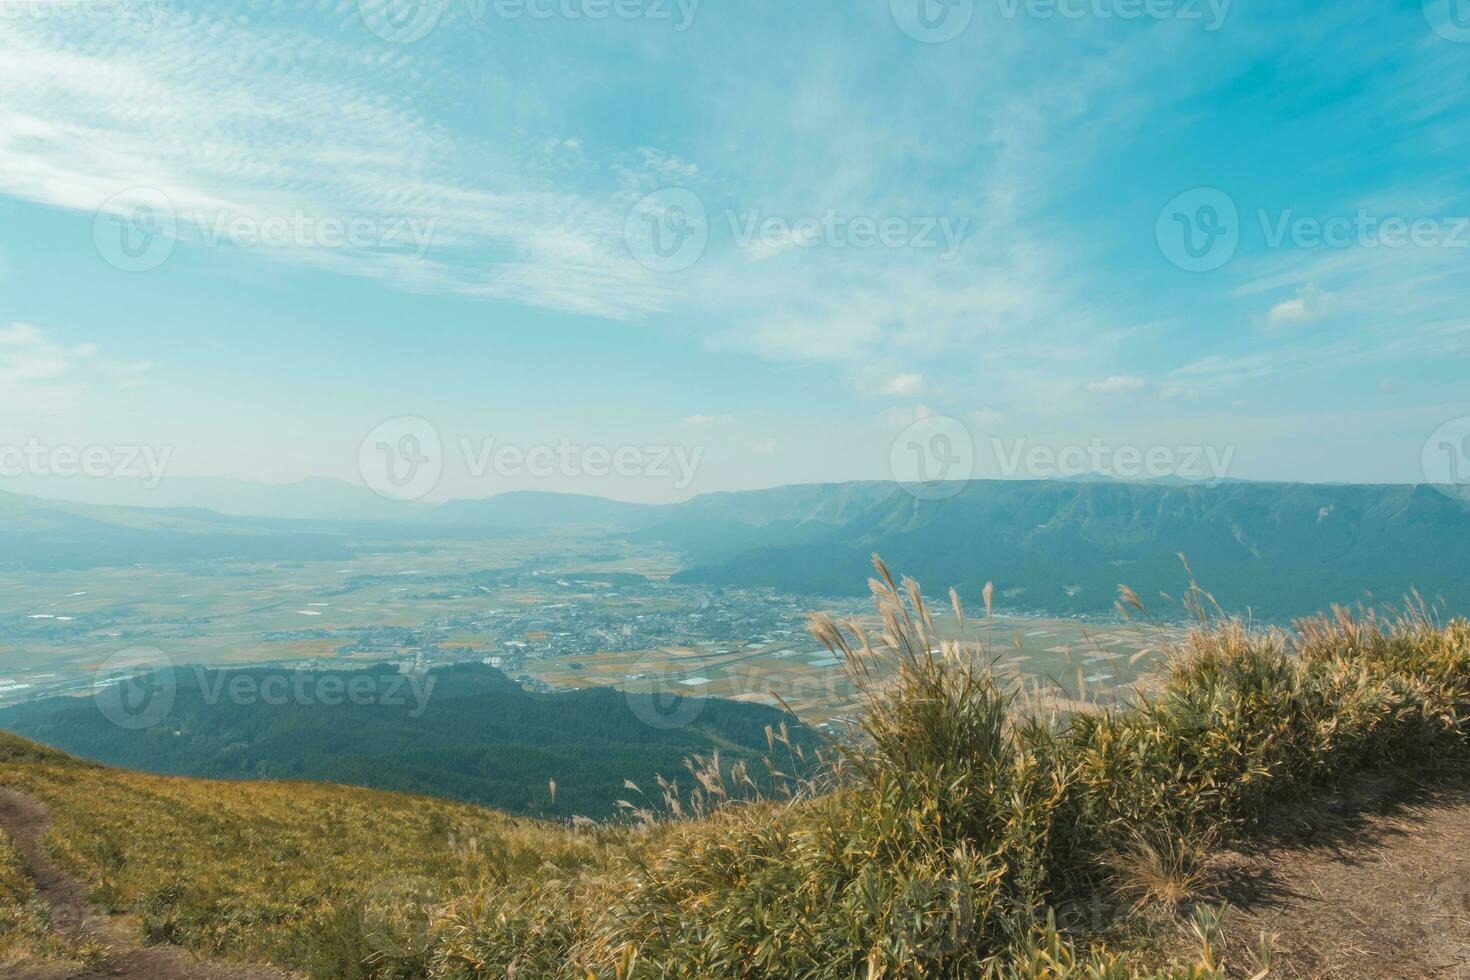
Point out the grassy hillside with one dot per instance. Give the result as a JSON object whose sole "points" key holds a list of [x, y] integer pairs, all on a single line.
{"points": [[940, 843], [318, 877], [467, 733], [27, 936]]}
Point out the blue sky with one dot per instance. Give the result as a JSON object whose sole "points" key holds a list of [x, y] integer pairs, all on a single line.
{"points": [[502, 169]]}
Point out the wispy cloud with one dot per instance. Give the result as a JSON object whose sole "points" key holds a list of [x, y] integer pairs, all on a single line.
{"points": [[265, 122], [1116, 384], [1308, 305], [904, 384], [39, 374]]}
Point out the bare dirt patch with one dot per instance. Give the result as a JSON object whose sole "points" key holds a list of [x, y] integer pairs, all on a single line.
{"points": [[1372, 882], [73, 915]]}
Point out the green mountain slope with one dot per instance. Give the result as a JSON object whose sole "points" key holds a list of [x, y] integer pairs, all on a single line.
{"points": [[1278, 549], [464, 733]]}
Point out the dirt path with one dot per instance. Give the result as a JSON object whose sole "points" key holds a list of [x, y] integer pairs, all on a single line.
{"points": [[26, 820], [1371, 883]]}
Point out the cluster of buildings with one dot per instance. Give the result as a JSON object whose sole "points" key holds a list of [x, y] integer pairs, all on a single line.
{"points": [[578, 617]]}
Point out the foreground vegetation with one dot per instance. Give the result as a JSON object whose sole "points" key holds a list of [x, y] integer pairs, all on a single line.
{"points": [[318, 877], [26, 933], [976, 827]]}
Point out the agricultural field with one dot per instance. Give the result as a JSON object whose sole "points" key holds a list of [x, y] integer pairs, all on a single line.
{"points": [[558, 611], [386, 602], [1076, 658]]}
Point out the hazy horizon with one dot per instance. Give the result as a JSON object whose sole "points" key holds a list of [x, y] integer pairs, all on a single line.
{"points": [[123, 493]]}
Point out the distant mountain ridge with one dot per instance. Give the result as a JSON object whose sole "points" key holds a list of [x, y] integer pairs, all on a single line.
{"points": [[45, 535], [1278, 549], [314, 498], [531, 508]]}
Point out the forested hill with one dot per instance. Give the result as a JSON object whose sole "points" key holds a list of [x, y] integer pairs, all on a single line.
{"points": [[1279, 550], [466, 733]]}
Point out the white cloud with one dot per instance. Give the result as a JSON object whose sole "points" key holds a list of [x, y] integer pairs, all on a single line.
{"points": [[698, 419], [39, 374], [985, 417], [904, 384], [1308, 305], [1116, 384]]}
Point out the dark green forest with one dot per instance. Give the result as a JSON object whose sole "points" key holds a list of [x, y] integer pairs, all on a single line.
{"points": [[465, 732]]}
